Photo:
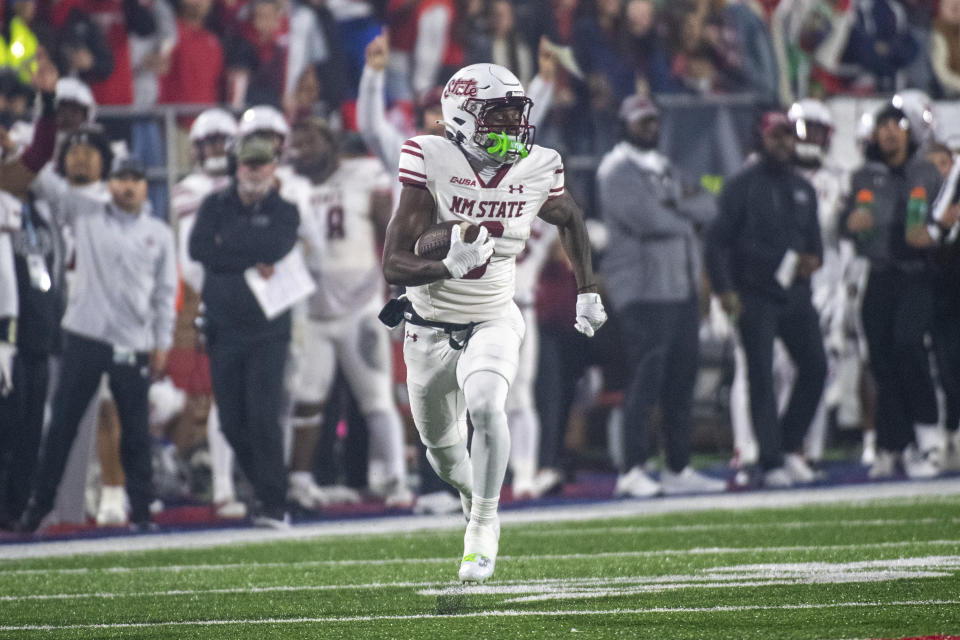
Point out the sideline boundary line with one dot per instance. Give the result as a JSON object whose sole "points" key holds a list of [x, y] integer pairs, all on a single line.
{"points": [[939, 488], [451, 560]]}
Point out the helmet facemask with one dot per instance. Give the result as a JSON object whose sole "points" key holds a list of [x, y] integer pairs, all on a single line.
{"points": [[504, 137], [813, 140], [486, 111]]}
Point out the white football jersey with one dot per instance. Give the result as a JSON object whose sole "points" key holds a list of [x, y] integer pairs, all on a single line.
{"points": [[831, 185], [187, 196], [339, 236], [506, 205]]}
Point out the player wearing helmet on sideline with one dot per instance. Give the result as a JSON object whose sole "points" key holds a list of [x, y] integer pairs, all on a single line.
{"points": [[267, 121], [344, 206], [210, 136], [463, 328], [813, 127]]}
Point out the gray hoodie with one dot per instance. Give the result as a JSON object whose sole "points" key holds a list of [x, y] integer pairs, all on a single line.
{"points": [[654, 252]]}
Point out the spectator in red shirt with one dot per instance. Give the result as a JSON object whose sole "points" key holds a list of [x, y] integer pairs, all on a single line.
{"points": [[196, 63], [116, 18], [256, 58]]}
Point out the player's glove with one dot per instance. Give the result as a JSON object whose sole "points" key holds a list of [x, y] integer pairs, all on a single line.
{"points": [[464, 257], [590, 314], [7, 352]]}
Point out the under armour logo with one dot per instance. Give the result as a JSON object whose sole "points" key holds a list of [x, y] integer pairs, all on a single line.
{"points": [[517, 187], [412, 336]]}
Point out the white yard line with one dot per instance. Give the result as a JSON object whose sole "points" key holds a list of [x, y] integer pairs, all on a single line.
{"points": [[724, 526], [578, 512], [478, 614], [591, 586], [452, 560]]}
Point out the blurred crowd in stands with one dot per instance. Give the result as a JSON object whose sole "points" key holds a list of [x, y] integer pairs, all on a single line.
{"points": [[329, 84]]}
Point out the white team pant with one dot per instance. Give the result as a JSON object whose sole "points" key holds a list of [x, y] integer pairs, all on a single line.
{"points": [[360, 344], [521, 407], [436, 372], [744, 440]]}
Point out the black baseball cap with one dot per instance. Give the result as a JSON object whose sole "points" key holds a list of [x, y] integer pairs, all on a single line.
{"points": [[129, 166]]}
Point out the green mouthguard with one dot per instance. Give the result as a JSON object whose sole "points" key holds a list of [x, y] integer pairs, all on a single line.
{"points": [[503, 144]]}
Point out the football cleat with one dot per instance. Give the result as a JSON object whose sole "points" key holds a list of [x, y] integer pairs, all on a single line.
{"points": [[778, 478], [800, 472], [689, 481], [112, 511], [231, 509], [636, 484], [884, 465], [921, 464], [399, 497], [476, 567], [480, 544]]}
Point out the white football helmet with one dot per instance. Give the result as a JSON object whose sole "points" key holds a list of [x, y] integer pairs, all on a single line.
{"points": [[918, 108], [74, 90], [213, 122], [865, 127], [263, 118], [813, 126], [472, 93]]}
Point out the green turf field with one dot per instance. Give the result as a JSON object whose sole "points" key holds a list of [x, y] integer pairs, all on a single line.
{"points": [[886, 568]]}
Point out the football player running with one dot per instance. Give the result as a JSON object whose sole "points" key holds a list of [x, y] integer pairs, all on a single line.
{"points": [[463, 328]]}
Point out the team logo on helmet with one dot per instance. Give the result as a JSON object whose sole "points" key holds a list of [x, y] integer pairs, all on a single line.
{"points": [[466, 87]]}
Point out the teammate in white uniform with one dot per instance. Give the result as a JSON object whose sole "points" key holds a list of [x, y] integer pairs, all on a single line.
{"points": [[522, 413], [463, 329], [344, 207], [813, 124], [210, 136]]}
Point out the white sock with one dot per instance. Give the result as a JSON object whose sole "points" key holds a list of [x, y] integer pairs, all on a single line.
{"points": [[221, 460], [486, 394], [484, 510], [743, 439], [816, 437], [386, 445], [930, 436], [479, 536]]}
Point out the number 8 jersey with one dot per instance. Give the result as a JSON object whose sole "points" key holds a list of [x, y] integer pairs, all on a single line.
{"points": [[505, 204]]}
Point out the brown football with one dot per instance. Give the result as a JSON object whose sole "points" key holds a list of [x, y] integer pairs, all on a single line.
{"points": [[434, 242]]}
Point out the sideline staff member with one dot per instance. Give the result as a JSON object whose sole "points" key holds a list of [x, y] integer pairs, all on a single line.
{"points": [[248, 225], [119, 321]]}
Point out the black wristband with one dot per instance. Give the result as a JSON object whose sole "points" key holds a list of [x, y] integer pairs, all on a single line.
{"points": [[587, 286]]}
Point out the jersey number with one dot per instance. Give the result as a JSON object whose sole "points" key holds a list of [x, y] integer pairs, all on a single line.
{"points": [[495, 230], [335, 229]]}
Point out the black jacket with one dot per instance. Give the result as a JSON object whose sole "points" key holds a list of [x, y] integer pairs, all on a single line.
{"points": [[764, 210], [885, 244], [38, 324], [227, 239]]}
